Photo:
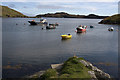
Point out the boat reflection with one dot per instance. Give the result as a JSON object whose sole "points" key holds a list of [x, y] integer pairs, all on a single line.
{"points": [[82, 33], [65, 40]]}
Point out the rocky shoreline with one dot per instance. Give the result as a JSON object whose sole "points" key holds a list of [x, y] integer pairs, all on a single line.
{"points": [[113, 20], [94, 72]]}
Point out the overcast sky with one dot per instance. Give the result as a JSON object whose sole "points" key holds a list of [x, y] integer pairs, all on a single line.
{"points": [[30, 8]]}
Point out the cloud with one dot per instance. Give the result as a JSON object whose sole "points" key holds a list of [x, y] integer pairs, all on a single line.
{"points": [[25, 7], [91, 8], [16, 0], [41, 6], [119, 8], [60, 1], [102, 8], [12, 6], [28, 14]]}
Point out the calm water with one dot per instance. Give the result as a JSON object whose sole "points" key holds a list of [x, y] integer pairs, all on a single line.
{"points": [[28, 49]]}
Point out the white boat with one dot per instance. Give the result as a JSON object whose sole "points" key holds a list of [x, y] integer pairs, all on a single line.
{"points": [[81, 29], [51, 26], [42, 21], [110, 29]]}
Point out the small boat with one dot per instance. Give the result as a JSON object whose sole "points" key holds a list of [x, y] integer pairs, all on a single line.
{"points": [[56, 24], [81, 29], [91, 26], [110, 29], [68, 36], [51, 26], [42, 21]]}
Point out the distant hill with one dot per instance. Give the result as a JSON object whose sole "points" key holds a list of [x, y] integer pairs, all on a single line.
{"points": [[115, 19], [8, 12], [66, 15], [95, 16]]}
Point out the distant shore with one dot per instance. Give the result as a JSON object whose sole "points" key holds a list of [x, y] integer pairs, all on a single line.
{"points": [[60, 15], [66, 15], [113, 20]]}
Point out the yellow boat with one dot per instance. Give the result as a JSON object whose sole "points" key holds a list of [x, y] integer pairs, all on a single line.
{"points": [[66, 36]]}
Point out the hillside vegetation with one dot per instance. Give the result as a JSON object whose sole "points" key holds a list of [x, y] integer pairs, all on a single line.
{"points": [[115, 19], [66, 15], [72, 68], [7, 12]]}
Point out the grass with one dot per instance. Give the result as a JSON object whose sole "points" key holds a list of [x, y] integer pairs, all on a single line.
{"points": [[8, 12], [50, 73], [72, 68]]}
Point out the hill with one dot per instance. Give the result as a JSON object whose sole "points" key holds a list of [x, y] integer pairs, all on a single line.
{"points": [[115, 19], [8, 12], [66, 15]]}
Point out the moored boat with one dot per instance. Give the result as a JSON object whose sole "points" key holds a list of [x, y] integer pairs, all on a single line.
{"points": [[68, 36], [91, 26], [110, 29], [42, 21], [56, 24], [81, 29], [51, 26]]}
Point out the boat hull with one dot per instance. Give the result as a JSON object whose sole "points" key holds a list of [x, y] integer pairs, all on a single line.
{"points": [[66, 36], [36, 23], [81, 30], [47, 27], [110, 29], [32, 23], [91, 27]]}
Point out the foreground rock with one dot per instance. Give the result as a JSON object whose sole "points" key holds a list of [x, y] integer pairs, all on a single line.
{"points": [[73, 68], [95, 73]]}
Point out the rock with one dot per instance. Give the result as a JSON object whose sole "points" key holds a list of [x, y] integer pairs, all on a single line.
{"points": [[84, 62], [92, 74], [95, 73], [56, 66], [87, 64], [102, 75], [36, 75]]}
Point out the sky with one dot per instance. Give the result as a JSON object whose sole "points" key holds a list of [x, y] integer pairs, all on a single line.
{"points": [[30, 8]]}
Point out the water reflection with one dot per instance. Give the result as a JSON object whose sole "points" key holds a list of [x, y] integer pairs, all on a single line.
{"points": [[82, 33], [65, 40]]}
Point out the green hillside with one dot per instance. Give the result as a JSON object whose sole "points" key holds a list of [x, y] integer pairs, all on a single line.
{"points": [[72, 68], [115, 19], [7, 12]]}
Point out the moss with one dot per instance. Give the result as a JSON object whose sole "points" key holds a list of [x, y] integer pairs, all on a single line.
{"points": [[50, 73], [72, 68]]}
